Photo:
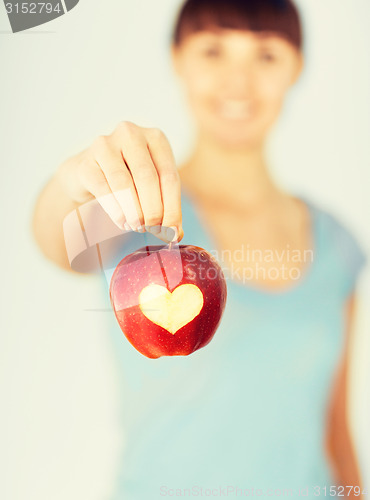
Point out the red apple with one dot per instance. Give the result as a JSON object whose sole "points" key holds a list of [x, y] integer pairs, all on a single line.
{"points": [[168, 301]]}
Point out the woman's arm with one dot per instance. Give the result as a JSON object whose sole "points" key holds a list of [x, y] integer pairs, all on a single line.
{"points": [[52, 206], [339, 441]]}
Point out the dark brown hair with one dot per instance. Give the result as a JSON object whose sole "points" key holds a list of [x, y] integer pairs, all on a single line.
{"points": [[277, 16]]}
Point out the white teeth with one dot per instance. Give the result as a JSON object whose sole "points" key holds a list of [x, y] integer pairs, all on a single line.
{"points": [[236, 110]]}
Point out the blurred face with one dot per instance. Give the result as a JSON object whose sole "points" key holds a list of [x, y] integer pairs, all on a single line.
{"points": [[236, 81]]}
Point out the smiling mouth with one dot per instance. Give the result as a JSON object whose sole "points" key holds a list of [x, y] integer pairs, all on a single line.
{"points": [[235, 110]]}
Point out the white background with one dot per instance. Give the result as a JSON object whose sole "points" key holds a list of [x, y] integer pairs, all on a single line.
{"points": [[66, 82]]}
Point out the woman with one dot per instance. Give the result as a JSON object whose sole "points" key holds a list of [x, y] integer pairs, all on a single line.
{"points": [[263, 406]]}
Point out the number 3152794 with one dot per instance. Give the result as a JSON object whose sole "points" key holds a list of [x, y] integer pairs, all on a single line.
{"points": [[339, 491], [32, 8]]}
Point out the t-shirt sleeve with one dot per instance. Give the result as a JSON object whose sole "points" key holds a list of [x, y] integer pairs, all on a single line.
{"points": [[351, 256]]}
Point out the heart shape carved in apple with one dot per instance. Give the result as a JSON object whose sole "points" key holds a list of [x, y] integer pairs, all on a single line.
{"points": [[169, 310], [168, 301]]}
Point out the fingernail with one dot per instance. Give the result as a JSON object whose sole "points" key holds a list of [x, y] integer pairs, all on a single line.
{"points": [[140, 229], [172, 233], [176, 236], [153, 229], [127, 227]]}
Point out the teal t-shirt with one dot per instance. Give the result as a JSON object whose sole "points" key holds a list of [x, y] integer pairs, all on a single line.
{"points": [[245, 415]]}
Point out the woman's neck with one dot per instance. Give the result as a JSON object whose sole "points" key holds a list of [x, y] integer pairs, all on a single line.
{"points": [[238, 177]]}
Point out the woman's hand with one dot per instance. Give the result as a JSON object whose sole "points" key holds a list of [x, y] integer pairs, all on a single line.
{"points": [[133, 176]]}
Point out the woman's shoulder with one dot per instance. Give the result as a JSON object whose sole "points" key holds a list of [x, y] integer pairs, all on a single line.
{"points": [[338, 243]]}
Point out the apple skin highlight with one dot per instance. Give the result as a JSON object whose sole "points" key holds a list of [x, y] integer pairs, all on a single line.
{"points": [[149, 283]]}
